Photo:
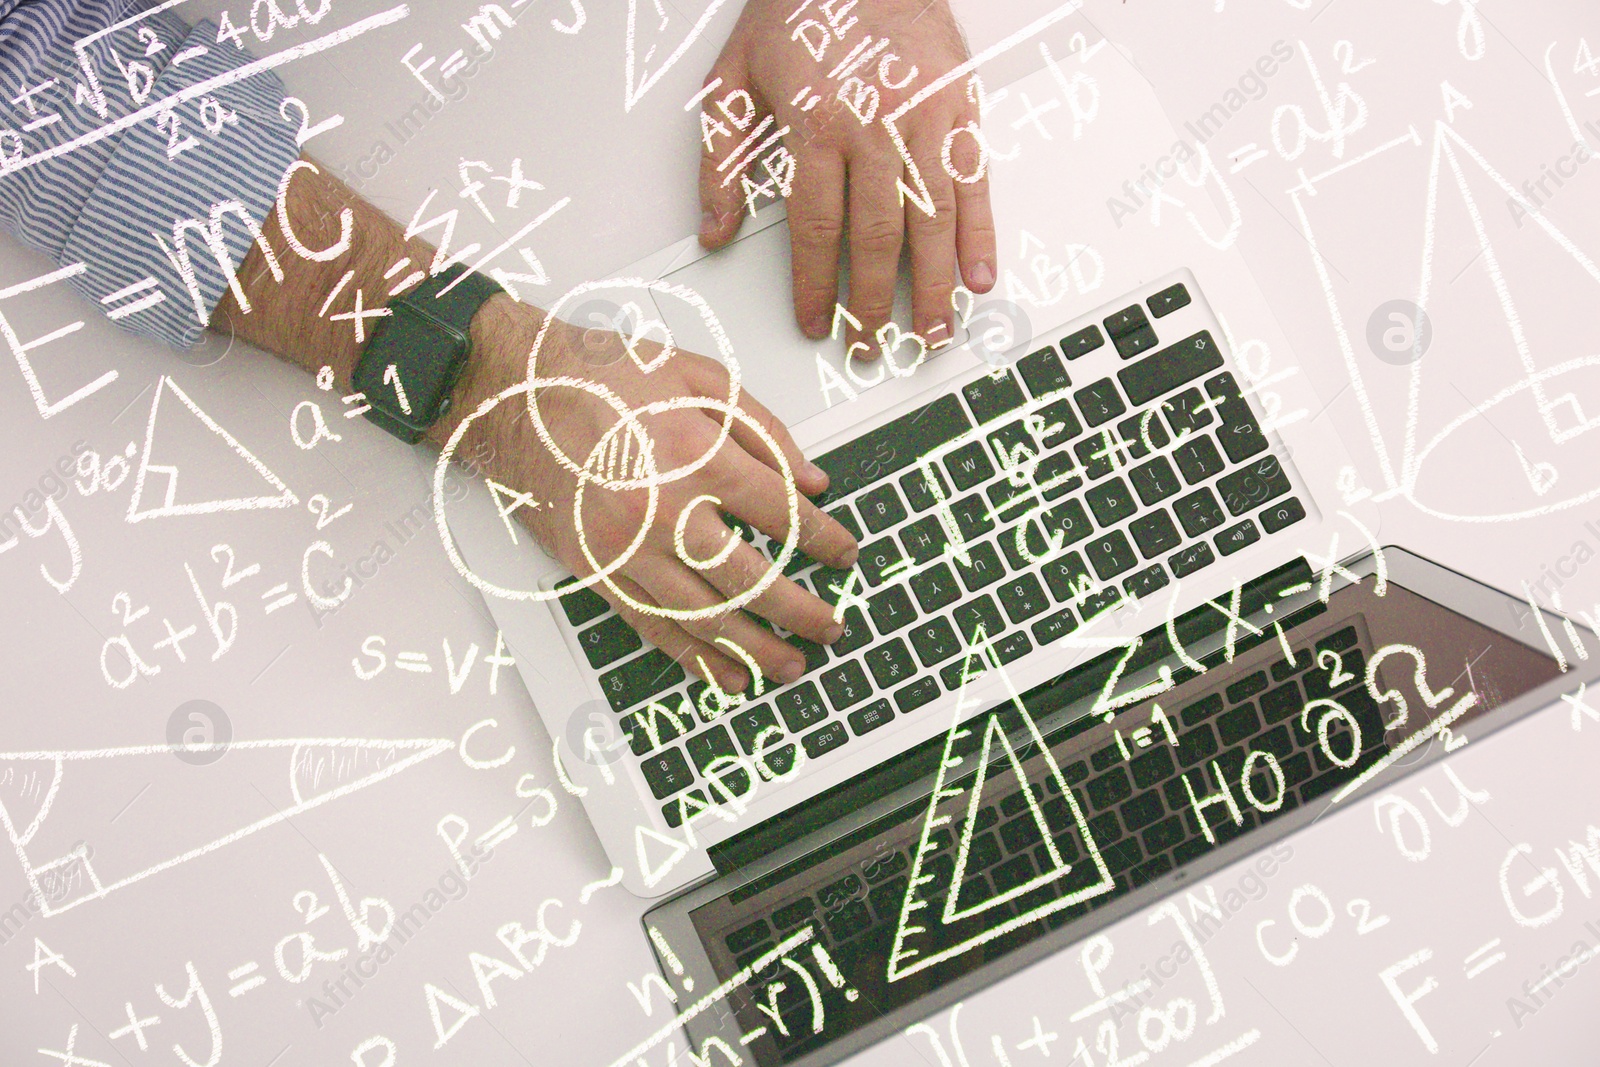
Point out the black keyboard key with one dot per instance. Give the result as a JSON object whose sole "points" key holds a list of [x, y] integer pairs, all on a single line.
{"points": [[1247, 488], [1012, 646], [876, 714], [879, 562], [969, 466], [1053, 627], [1102, 600], [1168, 300], [581, 605], [880, 508], [892, 447], [1109, 788], [855, 633], [639, 679], [1099, 454], [1143, 434], [1281, 703], [1163, 371], [935, 588], [1043, 372], [1142, 810], [992, 395], [935, 641], [1163, 835], [1023, 598], [1110, 555], [1141, 584], [975, 615], [1197, 744], [819, 743], [1239, 535], [890, 663], [1058, 424], [1191, 559], [1238, 724], [794, 913], [1199, 512], [1015, 450], [1110, 501], [1126, 321], [658, 723], [775, 761], [1100, 402], [715, 757], [1019, 835], [1245, 688], [801, 706], [1058, 474], [1136, 343], [608, 641], [1281, 515], [684, 807], [909, 698], [666, 772], [1007, 501], [891, 609], [830, 583], [1154, 480], [1155, 534], [1339, 640], [1082, 343], [846, 685], [1102, 758], [1240, 434], [1284, 669], [1188, 412], [1068, 578], [748, 937], [972, 517], [757, 728], [983, 567], [1152, 767], [1201, 709], [924, 539], [1198, 459], [921, 485]]}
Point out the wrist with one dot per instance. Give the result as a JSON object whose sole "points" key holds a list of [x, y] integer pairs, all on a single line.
{"points": [[501, 333]]}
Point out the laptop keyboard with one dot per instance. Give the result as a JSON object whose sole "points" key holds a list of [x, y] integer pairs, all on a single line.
{"points": [[1139, 812], [1023, 503]]}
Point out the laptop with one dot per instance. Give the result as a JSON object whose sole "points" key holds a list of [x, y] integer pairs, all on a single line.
{"points": [[1092, 641]]}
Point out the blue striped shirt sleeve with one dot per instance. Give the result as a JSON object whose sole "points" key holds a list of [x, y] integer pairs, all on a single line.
{"points": [[164, 207]]}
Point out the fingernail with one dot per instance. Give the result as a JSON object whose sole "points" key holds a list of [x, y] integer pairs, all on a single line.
{"points": [[708, 223], [814, 472], [833, 633], [983, 274], [816, 325]]}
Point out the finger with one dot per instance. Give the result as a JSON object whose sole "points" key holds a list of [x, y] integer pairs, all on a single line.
{"points": [[675, 585], [755, 493], [816, 221], [711, 378], [932, 242], [877, 225], [727, 116], [668, 636], [783, 602], [975, 240]]}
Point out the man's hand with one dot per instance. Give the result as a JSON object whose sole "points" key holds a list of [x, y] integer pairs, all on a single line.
{"points": [[692, 459], [843, 149]]}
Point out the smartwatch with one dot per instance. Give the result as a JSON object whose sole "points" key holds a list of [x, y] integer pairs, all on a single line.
{"points": [[417, 352]]}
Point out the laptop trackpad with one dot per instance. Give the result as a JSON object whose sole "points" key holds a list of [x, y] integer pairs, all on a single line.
{"points": [[747, 287]]}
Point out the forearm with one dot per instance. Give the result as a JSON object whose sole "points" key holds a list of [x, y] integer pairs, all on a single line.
{"points": [[294, 317]]}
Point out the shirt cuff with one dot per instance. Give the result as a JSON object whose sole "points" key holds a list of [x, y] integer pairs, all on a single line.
{"points": [[176, 218]]}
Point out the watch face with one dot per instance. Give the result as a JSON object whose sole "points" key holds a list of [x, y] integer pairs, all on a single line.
{"points": [[410, 364]]}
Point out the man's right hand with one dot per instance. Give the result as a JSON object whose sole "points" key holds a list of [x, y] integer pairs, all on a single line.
{"points": [[739, 471]]}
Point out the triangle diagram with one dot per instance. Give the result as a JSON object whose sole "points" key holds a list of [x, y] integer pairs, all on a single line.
{"points": [[640, 76], [51, 802], [165, 484], [1545, 356], [929, 931], [675, 851]]}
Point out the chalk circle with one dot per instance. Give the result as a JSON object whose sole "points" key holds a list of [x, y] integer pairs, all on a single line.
{"points": [[1399, 332], [628, 421], [199, 732]]}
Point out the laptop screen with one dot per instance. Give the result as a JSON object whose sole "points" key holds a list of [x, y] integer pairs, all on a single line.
{"points": [[1035, 814]]}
